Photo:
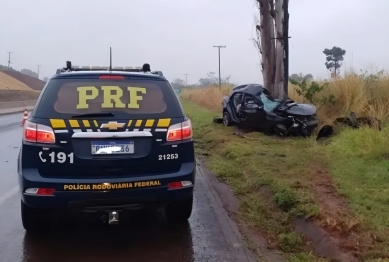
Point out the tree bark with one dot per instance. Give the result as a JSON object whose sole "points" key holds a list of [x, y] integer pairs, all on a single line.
{"points": [[272, 39], [267, 44], [278, 89]]}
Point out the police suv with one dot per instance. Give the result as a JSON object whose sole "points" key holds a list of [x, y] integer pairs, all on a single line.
{"points": [[106, 141]]}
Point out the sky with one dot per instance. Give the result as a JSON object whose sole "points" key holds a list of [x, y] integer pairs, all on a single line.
{"points": [[177, 36]]}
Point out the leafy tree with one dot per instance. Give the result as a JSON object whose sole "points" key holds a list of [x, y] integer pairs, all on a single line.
{"points": [[178, 83], [300, 77], [308, 77], [29, 72], [334, 57], [6, 68], [309, 91], [213, 80]]}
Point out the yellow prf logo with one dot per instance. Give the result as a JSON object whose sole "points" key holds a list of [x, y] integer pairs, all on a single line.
{"points": [[112, 125]]}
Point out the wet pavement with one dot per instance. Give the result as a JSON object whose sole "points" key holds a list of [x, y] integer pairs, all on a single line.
{"points": [[209, 235]]}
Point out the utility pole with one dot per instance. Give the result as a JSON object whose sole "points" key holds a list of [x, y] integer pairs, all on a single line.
{"points": [[9, 59], [186, 79], [218, 47], [286, 46], [38, 70]]}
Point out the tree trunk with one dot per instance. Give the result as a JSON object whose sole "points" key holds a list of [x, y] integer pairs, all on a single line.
{"points": [[267, 44], [274, 18], [278, 89]]}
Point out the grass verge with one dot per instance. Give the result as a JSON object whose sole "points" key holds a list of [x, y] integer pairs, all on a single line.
{"points": [[274, 179]]}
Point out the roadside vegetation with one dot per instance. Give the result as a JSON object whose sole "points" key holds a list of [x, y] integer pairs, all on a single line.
{"points": [[293, 189]]}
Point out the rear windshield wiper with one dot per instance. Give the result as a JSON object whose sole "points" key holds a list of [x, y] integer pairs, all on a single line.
{"points": [[94, 115]]}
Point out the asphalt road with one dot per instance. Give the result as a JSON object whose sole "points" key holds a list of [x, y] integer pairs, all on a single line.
{"points": [[209, 236]]}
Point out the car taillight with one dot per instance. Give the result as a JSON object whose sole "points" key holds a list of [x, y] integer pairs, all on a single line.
{"points": [[38, 133], [180, 131], [40, 191], [179, 185]]}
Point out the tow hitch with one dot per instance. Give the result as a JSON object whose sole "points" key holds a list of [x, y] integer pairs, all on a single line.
{"points": [[113, 218]]}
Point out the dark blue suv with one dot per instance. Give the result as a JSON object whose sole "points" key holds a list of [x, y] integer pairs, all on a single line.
{"points": [[106, 141]]}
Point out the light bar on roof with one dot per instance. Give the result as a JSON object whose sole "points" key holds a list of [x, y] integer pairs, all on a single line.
{"points": [[145, 68], [107, 67]]}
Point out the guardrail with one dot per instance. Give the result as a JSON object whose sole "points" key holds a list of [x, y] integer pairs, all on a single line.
{"points": [[18, 104]]}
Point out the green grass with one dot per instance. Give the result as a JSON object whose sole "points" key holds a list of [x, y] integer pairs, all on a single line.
{"points": [[272, 177], [359, 162]]}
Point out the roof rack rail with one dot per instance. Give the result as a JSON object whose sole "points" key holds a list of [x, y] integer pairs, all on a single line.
{"points": [[145, 69]]}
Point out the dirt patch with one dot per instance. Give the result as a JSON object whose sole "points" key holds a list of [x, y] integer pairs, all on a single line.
{"points": [[32, 82], [336, 234]]}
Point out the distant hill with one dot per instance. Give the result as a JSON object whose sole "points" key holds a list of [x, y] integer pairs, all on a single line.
{"points": [[32, 82], [16, 86], [9, 83], [18, 95]]}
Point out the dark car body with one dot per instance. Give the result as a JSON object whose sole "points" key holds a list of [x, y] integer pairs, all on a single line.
{"points": [[251, 106], [103, 141]]}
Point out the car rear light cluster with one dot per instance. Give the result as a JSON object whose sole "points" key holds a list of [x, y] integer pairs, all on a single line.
{"points": [[178, 185], [180, 131], [40, 191], [37, 133]]}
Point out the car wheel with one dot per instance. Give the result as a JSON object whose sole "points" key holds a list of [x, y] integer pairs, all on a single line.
{"points": [[179, 211], [226, 119], [35, 221]]}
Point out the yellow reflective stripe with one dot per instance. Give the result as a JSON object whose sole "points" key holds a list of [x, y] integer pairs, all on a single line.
{"points": [[138, 123], [74, 123], [129, 123], [149, 122], [163, 122], [86, 123], [57, 123], [95, 122]]}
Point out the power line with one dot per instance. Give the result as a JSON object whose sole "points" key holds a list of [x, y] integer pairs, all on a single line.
{"points": [[9, 59], [186, 79], [218, 47]]}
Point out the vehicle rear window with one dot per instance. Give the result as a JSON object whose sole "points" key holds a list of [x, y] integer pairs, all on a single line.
{"points": [[64, 98]]}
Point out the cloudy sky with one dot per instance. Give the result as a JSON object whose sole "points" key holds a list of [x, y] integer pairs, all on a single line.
{"points": [[177, 36]]}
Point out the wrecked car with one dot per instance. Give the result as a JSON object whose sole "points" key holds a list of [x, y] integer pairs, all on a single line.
{"points": [[251, 106]]}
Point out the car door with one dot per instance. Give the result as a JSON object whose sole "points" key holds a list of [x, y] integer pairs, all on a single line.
{"points": [[253, 112], [235, 104]]}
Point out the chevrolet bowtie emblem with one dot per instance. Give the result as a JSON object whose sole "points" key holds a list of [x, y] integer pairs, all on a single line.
{"points": [[112, 125]]}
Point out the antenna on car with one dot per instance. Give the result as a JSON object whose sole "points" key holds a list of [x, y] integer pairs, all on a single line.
{"points": [[110, 59]]}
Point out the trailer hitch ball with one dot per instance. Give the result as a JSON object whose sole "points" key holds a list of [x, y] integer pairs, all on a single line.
{"points": [[113, 218]]}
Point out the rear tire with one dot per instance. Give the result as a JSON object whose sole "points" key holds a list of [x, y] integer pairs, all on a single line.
{"points": [[179, 211], [35, 221], [226, 119]]}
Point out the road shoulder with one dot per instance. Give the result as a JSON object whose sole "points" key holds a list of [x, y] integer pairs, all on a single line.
{"points": [[226, 205]]}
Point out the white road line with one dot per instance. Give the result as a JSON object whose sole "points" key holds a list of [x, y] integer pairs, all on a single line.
{"points": [[8, 195]]}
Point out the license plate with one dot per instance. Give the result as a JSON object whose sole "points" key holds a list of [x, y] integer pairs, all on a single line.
{"points": [[112, 147]]}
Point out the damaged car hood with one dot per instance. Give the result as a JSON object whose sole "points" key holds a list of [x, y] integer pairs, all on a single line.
{"points": [[302, 109]]}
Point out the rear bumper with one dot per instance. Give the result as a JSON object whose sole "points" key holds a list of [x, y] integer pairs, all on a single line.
{"points": [[87, 197]]}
